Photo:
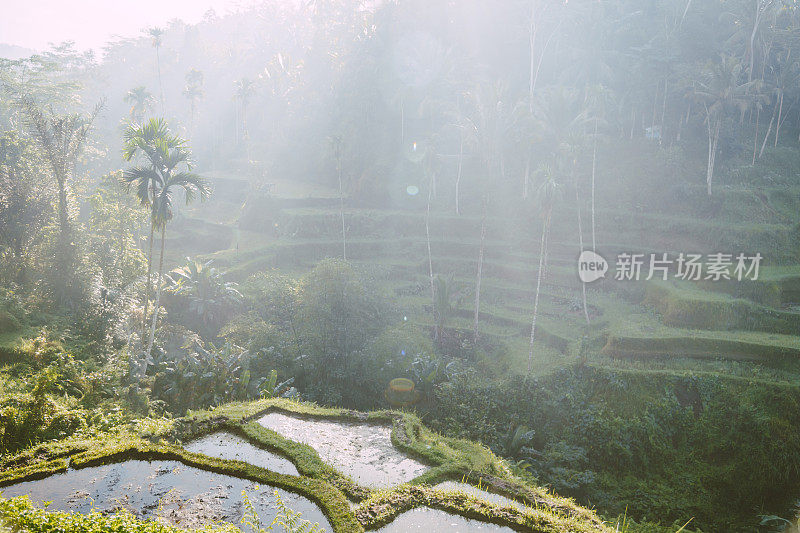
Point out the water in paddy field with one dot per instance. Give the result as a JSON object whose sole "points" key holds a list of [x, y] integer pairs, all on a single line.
{"points": [[229, 446], [485, 495], [362, 451], [425, 519], [179, 494]]}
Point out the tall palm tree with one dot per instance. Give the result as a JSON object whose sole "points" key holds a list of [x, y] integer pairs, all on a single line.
{"points": [[720, 91], [547, 194], [244, 89], [163, 208], [156, 36], [787, 76], [141, 102], [193, 91], [487, 124], [147, 179], [167, 167], [336, 146]]}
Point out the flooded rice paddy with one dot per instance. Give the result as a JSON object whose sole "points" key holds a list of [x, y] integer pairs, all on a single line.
{"points": [[226, 445], [362, 451], [429, 520], [178, 494]]}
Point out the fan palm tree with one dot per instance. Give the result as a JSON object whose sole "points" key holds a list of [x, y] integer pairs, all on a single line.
{"points": [[720, 91], [141, 102], [547, 194], [156, 36]]}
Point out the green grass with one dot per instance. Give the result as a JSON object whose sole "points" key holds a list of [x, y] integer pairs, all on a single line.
{"points": [[687, 306]]}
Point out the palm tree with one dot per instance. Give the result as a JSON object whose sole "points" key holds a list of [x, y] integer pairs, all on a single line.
{"points": [[787, 76], [547, 194], [598, 98], [336, 147], [156, 35], [141, 102], [61, 139], [244, 90], [168, 169], [193, 91], [720, 91], [145, 138], [487, 123], [192, 185]]}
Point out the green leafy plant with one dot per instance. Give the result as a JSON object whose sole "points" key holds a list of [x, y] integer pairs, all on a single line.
{"points": [[286, 520]]}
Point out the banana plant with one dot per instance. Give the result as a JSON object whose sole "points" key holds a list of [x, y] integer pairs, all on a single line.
{"points": [[270, 388]]}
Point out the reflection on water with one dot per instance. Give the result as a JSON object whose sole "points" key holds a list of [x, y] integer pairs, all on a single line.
{"points": [[425, 519], [179, 494], [228, 446], [361, 451]]}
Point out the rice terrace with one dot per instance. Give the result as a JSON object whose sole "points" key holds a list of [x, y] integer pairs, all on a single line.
{"points": [[400, 265]]}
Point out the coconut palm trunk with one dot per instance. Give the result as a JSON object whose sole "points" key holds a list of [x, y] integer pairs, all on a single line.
{"points": [[778, 125], [341, 207], [594, 171], [713, 124], [160, 85], [149, 287], [479, 275], [539, 275], [428, 243], [460, 168], [158, 291], [769, 130], [580, 241]]}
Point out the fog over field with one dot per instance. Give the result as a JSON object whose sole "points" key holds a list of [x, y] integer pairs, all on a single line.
{"points": [[400, 265]]}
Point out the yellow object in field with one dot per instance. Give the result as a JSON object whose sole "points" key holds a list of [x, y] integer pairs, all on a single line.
{"points": [[401, 393]]}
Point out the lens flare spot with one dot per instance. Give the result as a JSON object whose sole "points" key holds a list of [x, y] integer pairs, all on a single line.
{"points": [[412, 190]]}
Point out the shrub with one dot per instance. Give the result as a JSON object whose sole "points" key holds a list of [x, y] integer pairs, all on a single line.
{"points": [[8, 322], [340, 310]]}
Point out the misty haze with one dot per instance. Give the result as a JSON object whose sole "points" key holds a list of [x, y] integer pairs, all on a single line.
{"points": [[400, 265]]}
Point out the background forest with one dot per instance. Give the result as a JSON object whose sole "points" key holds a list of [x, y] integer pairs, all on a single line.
{"points": [[313, 199]]}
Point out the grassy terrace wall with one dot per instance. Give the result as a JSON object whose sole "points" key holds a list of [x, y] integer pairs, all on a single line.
{"points": [[450, 459], [707, 310]]}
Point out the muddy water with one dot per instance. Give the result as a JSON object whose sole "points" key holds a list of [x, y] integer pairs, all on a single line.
{"points": [[362, 451], [229, 446], [426, 519], [179, 494], [482, 494]]}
